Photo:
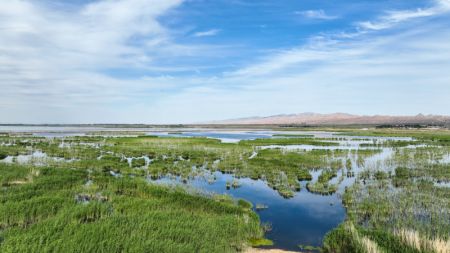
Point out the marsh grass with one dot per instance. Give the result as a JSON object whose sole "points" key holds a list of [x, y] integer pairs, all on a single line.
{"points": [[45, 216], [393, 206], [399, 209]]}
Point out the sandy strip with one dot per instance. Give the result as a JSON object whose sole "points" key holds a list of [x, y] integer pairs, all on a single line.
{"points": [[254, 250]]}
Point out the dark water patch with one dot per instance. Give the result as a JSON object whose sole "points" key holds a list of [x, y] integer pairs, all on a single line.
{"points": [[303, 219]]}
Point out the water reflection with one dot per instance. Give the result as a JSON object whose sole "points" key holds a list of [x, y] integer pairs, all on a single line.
{"points": [[303, 219]]}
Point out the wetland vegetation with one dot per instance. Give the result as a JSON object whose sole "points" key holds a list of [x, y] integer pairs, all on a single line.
{"points": [[83, 193]]}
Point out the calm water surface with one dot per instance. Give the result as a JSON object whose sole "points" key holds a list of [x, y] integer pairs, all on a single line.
{"points": [[303, 219]]}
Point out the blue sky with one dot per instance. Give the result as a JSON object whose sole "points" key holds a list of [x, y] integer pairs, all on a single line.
{"points": [[175, 61]]}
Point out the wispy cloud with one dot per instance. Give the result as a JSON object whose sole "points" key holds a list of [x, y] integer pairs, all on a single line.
{"points": [[211, 32], [392, 18], [347, 73], [316, 14], [53, 62], [368, 75], [53, 58], [327, 46]]}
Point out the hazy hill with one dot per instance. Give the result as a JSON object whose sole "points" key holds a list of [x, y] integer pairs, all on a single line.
{"points": [[340, 119]]}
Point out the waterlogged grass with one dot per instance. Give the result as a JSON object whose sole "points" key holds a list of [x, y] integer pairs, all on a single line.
{"points": [[400, 209], [92, 190], [438, 137], [183, 157], [282, 170], [288, 141], [322, 186]]}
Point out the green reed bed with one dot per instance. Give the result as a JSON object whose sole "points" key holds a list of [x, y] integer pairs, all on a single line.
{"points": [[322, 185], [93, 196], [400, 210], [47, 214]]}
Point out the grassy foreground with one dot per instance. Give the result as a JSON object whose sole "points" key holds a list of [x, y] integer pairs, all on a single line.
{"points": [[73, 210]]}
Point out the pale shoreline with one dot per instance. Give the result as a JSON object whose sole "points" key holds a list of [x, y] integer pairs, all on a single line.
{"points": [[256, 250]]}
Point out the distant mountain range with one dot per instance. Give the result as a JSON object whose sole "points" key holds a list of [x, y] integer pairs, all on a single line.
{"points": [[340, 119]]}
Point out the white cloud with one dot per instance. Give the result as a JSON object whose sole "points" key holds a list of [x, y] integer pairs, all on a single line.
{"points": [[52, 55], [392, 74], [328, 48], [211, 32], [402, 72], [316, 14], [392, 18], [51, 64]]}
